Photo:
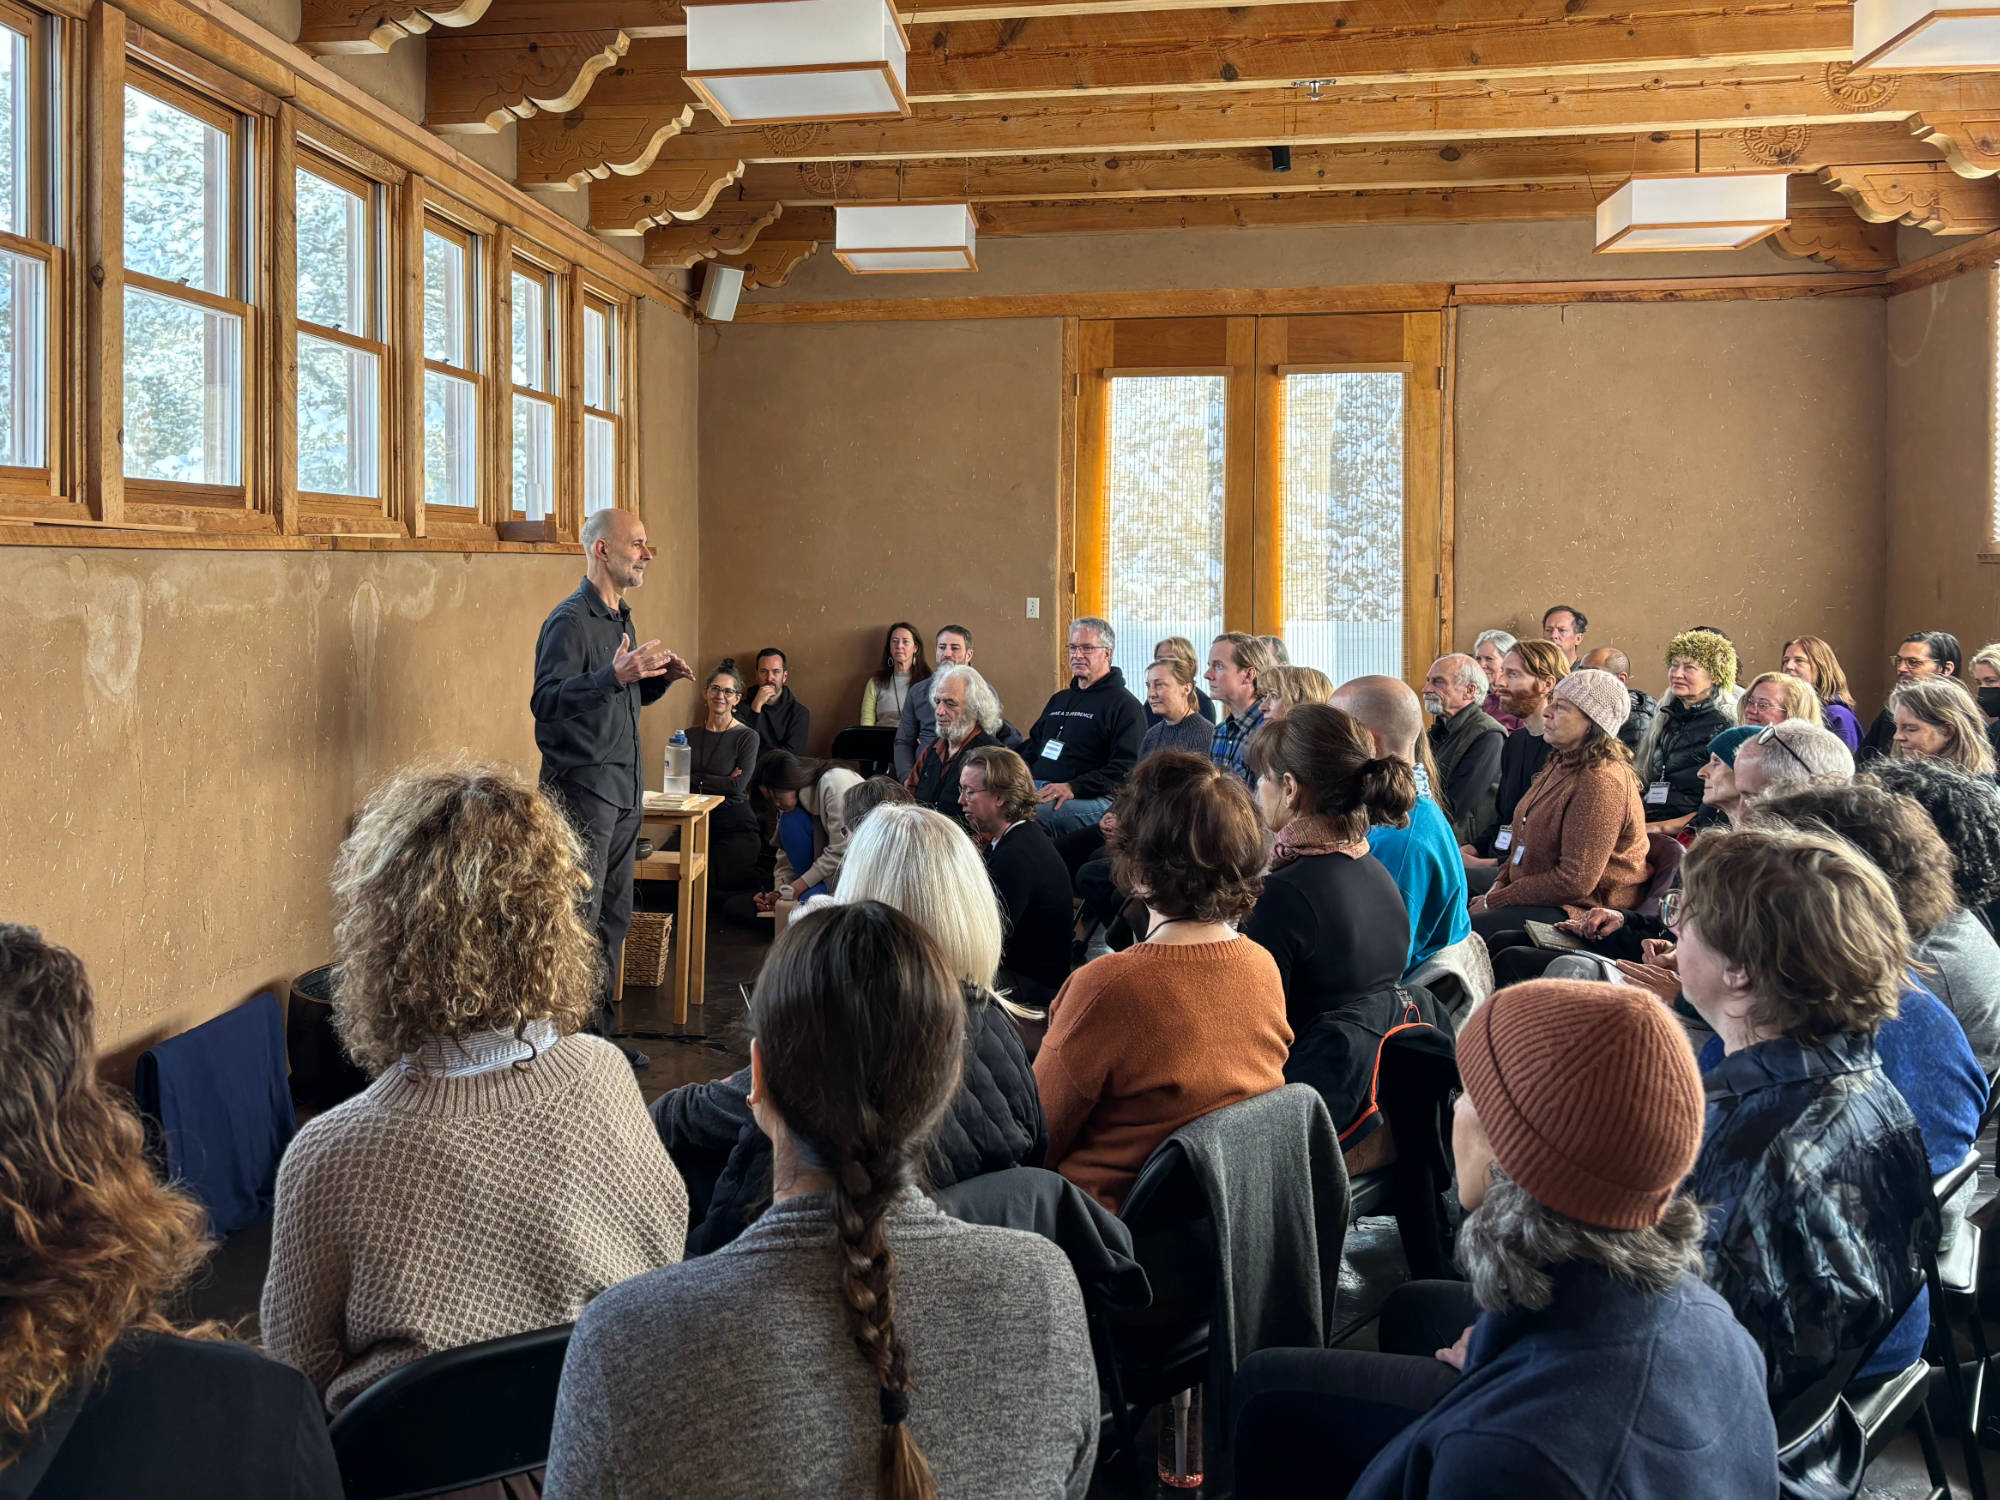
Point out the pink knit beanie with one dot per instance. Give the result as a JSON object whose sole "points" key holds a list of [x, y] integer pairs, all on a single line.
{"points": [[1601, 698]]}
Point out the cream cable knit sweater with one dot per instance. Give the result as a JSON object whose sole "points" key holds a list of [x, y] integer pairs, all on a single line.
{"points": [[427, 1213]]}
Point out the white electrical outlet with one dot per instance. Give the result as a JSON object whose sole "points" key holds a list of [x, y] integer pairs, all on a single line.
{"points": [[1034, 608]]}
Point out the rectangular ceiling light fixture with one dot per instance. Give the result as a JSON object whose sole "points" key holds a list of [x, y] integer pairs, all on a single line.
{"points": [[1916, 36], [774, 62], [872, 238], [1724, 212]]}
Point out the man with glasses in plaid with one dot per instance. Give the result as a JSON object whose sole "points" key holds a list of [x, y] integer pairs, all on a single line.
{"points": [[1087, 740]]}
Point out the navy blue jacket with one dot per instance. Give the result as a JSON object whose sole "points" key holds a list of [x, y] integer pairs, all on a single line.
{"points": [[1608, 1393]]}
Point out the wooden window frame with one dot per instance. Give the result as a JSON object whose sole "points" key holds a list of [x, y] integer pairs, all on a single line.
{"points": [[45, 490], [562, 370], [476, 372], [617, 314]]}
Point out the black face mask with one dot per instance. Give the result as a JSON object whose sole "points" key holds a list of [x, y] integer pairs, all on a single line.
{"points": [[1989, 702]]}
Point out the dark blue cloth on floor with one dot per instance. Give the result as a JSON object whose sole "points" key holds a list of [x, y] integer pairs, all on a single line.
{"points": [[795, 837], [219, 1097]]}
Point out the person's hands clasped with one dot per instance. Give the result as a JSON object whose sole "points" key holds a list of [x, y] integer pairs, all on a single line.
{"points": [[766, 900], [1598, 922], [1660, 971], [1055, 794], [1455, 1355], [631, 663]]}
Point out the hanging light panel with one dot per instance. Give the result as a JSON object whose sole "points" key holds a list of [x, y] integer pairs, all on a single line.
{"points": [[1723, 212], [872, 238], [776, 61], [1915, 36]]}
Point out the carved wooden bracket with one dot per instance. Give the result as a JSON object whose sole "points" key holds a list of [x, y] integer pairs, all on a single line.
{"points": [[729, 230], [769, 263], [659, 195], [363, 26], [568, 151], [1924, 195], [1969, 139], [479, 83], [1836, 237]]}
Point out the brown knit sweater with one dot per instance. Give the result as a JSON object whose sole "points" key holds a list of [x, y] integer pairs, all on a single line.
{"points": [[1143, 1041], [427, 1213], [1581, 836]]}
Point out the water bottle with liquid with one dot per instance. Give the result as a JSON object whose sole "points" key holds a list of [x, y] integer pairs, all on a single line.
{"points": [[676, 783]]}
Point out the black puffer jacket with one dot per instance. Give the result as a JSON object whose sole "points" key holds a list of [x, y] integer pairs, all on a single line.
{"points": [[995, 1122], [1638, 719], [1679, 751]]}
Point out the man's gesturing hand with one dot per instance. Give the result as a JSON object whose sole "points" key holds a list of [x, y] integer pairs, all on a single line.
{"points": [[648, 660]]}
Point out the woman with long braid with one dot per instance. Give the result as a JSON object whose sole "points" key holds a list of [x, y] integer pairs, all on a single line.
{"points": [[736, 1374]]}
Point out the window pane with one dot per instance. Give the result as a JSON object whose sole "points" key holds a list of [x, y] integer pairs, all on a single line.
{"points": [[339, 415], [534, 457], [445, 301], [16, 94], [1163, 536], [531, 330], [1343, 520], [176, 195], [333, 256], [24, 369], [183, 391], [451, 440], [600, 464], [593, 359]]}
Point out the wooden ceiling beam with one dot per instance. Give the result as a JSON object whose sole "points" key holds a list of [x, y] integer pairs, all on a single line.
{"points": [[681, 190], [1825, 228], [479, 83], [769, 263], [363, 26], [1928, 196], [594, 140], [1969, 138], [729, 230]]}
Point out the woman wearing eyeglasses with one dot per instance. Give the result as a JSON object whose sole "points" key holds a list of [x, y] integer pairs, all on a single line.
{"points": [[721, 755]]}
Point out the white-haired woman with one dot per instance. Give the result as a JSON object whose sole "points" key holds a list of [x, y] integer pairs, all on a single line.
{"points": [[917, 861], [968, 716], [1490, 651]]}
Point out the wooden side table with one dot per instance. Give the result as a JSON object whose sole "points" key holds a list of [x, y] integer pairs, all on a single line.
{"points": [[689, 866]]}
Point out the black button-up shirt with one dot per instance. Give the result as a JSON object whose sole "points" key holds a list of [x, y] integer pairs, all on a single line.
{"points": [[586, 721]]}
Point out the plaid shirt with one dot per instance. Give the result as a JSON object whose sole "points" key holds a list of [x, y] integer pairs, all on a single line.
{"points": [[1226, 749]]}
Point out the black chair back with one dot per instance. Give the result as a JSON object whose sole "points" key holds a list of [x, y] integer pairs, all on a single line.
{"points": [[870, 746], [454, 1419], [1098, 1244]]}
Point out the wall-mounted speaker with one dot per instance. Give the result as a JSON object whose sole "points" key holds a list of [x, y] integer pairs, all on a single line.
{"points": [[720, 287]]}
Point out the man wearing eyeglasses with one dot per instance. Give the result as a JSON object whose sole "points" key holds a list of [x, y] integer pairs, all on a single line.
{"points": [[1087, 740], [1926, 653]]}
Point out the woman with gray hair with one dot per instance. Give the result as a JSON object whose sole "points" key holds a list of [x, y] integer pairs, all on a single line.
{"points": [[1490, 651], [968, 716], [1584, 1320]]}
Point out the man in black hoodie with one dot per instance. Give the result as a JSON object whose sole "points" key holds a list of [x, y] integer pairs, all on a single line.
{"points": [[1087, 739], [781, 721]]}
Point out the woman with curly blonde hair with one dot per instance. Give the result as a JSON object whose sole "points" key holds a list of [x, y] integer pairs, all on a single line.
{"points": [[99, 1393], [500, 1171]]}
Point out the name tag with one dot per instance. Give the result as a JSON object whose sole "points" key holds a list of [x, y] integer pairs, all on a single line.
{"points": [[1656, 794], [1052, 750], [1503, 841], [1518, 852]]}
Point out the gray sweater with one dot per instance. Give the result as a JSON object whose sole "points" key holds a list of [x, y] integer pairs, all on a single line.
{"points": [[1962, 968], [735, 1375]]}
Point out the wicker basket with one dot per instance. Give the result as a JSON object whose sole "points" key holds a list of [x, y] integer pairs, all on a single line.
{"points": [[646, 947]]}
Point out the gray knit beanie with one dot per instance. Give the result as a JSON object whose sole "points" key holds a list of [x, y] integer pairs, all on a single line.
{"points": [[1601, 698]]}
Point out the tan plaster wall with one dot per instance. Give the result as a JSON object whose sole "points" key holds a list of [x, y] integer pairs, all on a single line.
{"points": [[186, 733], [1941, 446]]}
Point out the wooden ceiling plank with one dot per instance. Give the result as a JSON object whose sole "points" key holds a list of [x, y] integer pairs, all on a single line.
{"points": [[1924, 196], [477, 84]]}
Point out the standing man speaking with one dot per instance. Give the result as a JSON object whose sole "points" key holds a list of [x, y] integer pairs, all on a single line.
{"points": [[590, 683]]}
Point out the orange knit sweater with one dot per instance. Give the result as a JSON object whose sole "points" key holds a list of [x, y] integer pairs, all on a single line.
{"points": [[1143, 1041], [1579, 842]]}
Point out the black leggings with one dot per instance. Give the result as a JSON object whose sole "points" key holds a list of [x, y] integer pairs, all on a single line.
{"points": [[1309, 1421]]}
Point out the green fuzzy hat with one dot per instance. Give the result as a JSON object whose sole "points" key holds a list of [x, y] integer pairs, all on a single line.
{"points": [[1708, 650]]}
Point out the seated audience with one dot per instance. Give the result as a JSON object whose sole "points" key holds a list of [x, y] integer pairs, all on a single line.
{"points": [[802, 807], [856, 1340], [1583, 1356], [500, 1171], [1274, 647], [100, 1393], [1922, 655], [1812, 661], [1792, 950], [722, 757], [1984, 680], [1236, 665], [1563, 627], [1701, 671], [1087, 740], [1189, 1020], [1789, 754], [918, 726], [1175, 716], [1285, 687], [872, 793], [911, 859], [1465, 739], [1528, 676], [781, 721], [1490, 651], [1774, 697], [888, 691], [1178, 648], [997, 796], [1721, 798], [1579, 835], [1966, 812], [1329, 915], [1644, 704], [1938, 718], [968, 718], [1420, 855]]}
